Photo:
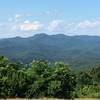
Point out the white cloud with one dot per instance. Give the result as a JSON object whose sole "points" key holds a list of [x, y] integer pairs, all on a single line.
{"points": [[18, 16], [89, 24], [55, 25], [86, 26], [30, 26], [22, 25]]}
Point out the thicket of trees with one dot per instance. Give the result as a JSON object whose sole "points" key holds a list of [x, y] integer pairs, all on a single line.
{"points": [[44, 79], [38, 79], [88, 83]]}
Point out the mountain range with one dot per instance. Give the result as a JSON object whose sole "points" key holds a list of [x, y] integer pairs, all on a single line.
{"points": [[78, 51]]}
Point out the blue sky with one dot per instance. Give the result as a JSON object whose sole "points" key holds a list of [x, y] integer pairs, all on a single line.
{"points": [[28, 17]]}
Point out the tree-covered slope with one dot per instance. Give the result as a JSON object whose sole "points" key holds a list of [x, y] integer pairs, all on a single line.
{"points": [[77, 50]]}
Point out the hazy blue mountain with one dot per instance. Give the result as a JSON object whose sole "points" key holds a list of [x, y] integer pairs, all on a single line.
{"points": [[79, 51]]}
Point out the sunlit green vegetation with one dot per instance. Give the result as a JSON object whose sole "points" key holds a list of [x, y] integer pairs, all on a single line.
{"points": [[41, 79]]}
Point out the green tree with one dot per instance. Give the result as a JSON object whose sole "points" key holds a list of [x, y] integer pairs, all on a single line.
{"points": [[85, 78], [63, 81]]}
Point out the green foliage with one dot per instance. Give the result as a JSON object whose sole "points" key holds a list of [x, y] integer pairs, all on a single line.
{"points": [[42, 79], [87, 91], [39, 80], [12, 80], [39, 66], [88, 83], [57, 81], [84, 78]]}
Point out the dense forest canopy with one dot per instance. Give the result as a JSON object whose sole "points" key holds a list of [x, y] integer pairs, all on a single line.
{"points": [[78, 51], [44, 79]]}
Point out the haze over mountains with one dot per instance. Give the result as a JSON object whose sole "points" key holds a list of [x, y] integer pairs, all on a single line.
{"points": [[78, 51]]}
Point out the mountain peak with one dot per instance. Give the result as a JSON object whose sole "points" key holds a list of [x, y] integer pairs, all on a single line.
{"points": [[75, 49], [40, 35]]}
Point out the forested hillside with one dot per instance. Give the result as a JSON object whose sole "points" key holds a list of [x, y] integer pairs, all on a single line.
{"points": [[78, 51]]}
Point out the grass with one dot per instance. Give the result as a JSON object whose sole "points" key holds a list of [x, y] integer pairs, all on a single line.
{"points": [[87, 99]]}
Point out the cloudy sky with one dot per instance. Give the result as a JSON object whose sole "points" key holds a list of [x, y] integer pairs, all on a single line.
{"points": [[28, 17]]}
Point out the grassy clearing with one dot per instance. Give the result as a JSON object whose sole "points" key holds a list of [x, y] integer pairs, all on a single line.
{"points": [[86, 99]]}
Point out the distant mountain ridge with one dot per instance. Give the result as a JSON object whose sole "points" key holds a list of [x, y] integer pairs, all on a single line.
{"points": [[79, 51]]}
